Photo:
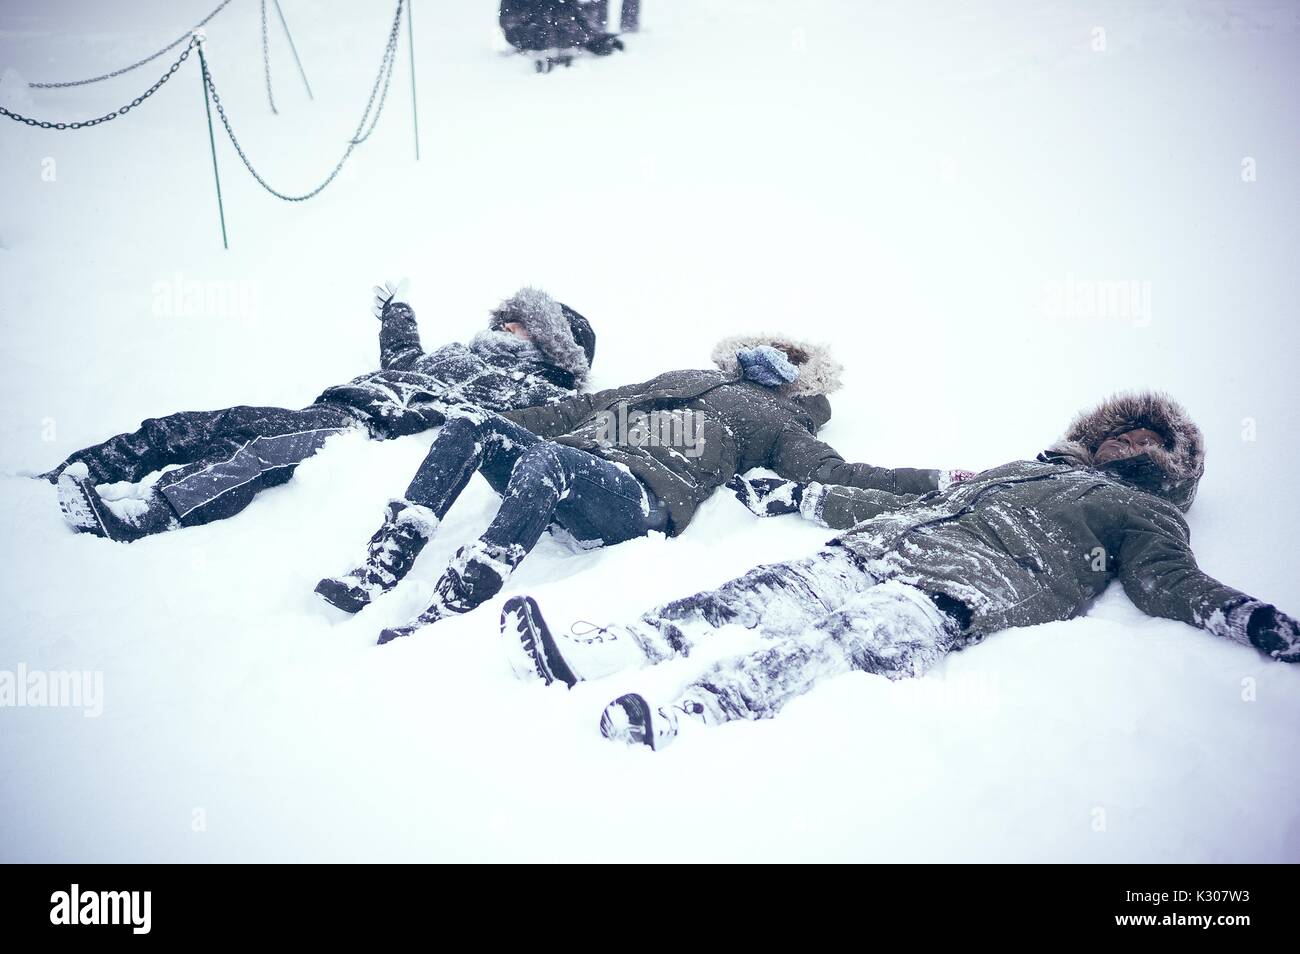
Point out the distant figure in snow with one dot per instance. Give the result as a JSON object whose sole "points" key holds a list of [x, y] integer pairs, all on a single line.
{"points": [[535, 351], [556, 30], [918, 576], [613, 466]]}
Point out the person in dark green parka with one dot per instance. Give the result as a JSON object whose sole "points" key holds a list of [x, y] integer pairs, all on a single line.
{"points": [[918, 575], [613, 466]]}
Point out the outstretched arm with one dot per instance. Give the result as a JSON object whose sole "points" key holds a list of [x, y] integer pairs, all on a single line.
{"points": [[799, 456], [399, 337], [1160, 575], [840, 508], [828, 505], [552, 420]]}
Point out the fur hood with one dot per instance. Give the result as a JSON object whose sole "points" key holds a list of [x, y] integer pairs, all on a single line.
{"points": [[1172, 472], [819, 373], [552, 327]]}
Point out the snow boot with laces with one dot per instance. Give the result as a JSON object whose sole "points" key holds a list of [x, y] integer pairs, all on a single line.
{"points": [[537, 653], [389, 556], [476, 574]]}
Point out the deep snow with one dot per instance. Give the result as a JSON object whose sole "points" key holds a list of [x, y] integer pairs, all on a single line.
{"points": [[915, 183]]}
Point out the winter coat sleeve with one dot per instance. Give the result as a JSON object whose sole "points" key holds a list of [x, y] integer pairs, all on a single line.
{"points": [[797, 455], [843, 507], [399, 338], [552, 420], [1160, 575]]}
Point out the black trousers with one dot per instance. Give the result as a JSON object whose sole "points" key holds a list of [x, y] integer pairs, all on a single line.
{"points": [[226, 457], [539, 481]]}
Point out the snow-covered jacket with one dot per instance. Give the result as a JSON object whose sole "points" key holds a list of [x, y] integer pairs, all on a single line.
{"points": [[686, 433], [496, 371], [1037, 540], [549, 24]]}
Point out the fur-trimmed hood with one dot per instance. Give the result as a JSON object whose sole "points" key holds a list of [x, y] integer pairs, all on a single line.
{"points": [[819, 373], [560, 333], [1172, 472]]}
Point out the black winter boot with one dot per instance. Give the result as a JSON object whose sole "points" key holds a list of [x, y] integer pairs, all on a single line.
{"points": [[87, 512], [389, 557], [634, 721], [476, 574]]}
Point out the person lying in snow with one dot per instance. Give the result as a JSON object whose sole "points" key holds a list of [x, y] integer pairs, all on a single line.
{"points": [[556, 29], [918, 576], [535, 350], [612, 466]]}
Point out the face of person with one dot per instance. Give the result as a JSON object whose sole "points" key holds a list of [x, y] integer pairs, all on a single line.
{"points": [[517, 329], [1129, 444]]}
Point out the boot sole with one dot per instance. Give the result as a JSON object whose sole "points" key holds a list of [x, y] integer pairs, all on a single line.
{"points": [[78, 508], [637, 720], [522, 614]]}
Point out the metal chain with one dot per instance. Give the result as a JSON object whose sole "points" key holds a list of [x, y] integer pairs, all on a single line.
{"points": [[120, 111], [266, 62], [385, 73], [126, 69]]}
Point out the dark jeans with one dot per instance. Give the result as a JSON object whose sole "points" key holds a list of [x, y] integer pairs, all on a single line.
{"points": [[539, 481], [227, 456]]}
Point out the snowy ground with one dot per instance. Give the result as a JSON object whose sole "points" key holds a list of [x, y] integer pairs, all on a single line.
{"points": [[913, 182]]}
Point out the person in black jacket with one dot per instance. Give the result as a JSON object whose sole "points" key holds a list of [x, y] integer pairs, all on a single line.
{"points": [[556, 28], [536, 350], [613, 466]]}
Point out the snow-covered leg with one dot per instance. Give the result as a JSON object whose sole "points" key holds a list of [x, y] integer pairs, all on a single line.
{"points": [[174, 439], [776, 597], [892, 629], [390, 554], [244, 462], [601, 501], [470, 440]]}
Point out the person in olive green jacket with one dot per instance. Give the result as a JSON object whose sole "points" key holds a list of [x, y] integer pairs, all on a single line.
{"points": [[919, 575], [613, 466]]}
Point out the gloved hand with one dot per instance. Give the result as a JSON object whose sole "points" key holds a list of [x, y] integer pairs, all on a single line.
{"points": [[604, 44], [950, 477], [767, 496], [389, 292], [767, 366], [1275, 633]]}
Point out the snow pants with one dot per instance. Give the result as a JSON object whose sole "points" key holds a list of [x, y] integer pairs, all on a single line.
{"points": [[539, 481], [822, 616], [226, 456]]}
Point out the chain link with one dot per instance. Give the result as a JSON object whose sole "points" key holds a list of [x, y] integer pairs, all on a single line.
{"points": [[148, 59], [381, 82], [366, 126], [120, 111], [266, 62]]}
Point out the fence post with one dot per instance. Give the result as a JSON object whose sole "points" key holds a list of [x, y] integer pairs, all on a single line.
{"points": [[410, 38], [284, 23], [212, 139]]}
